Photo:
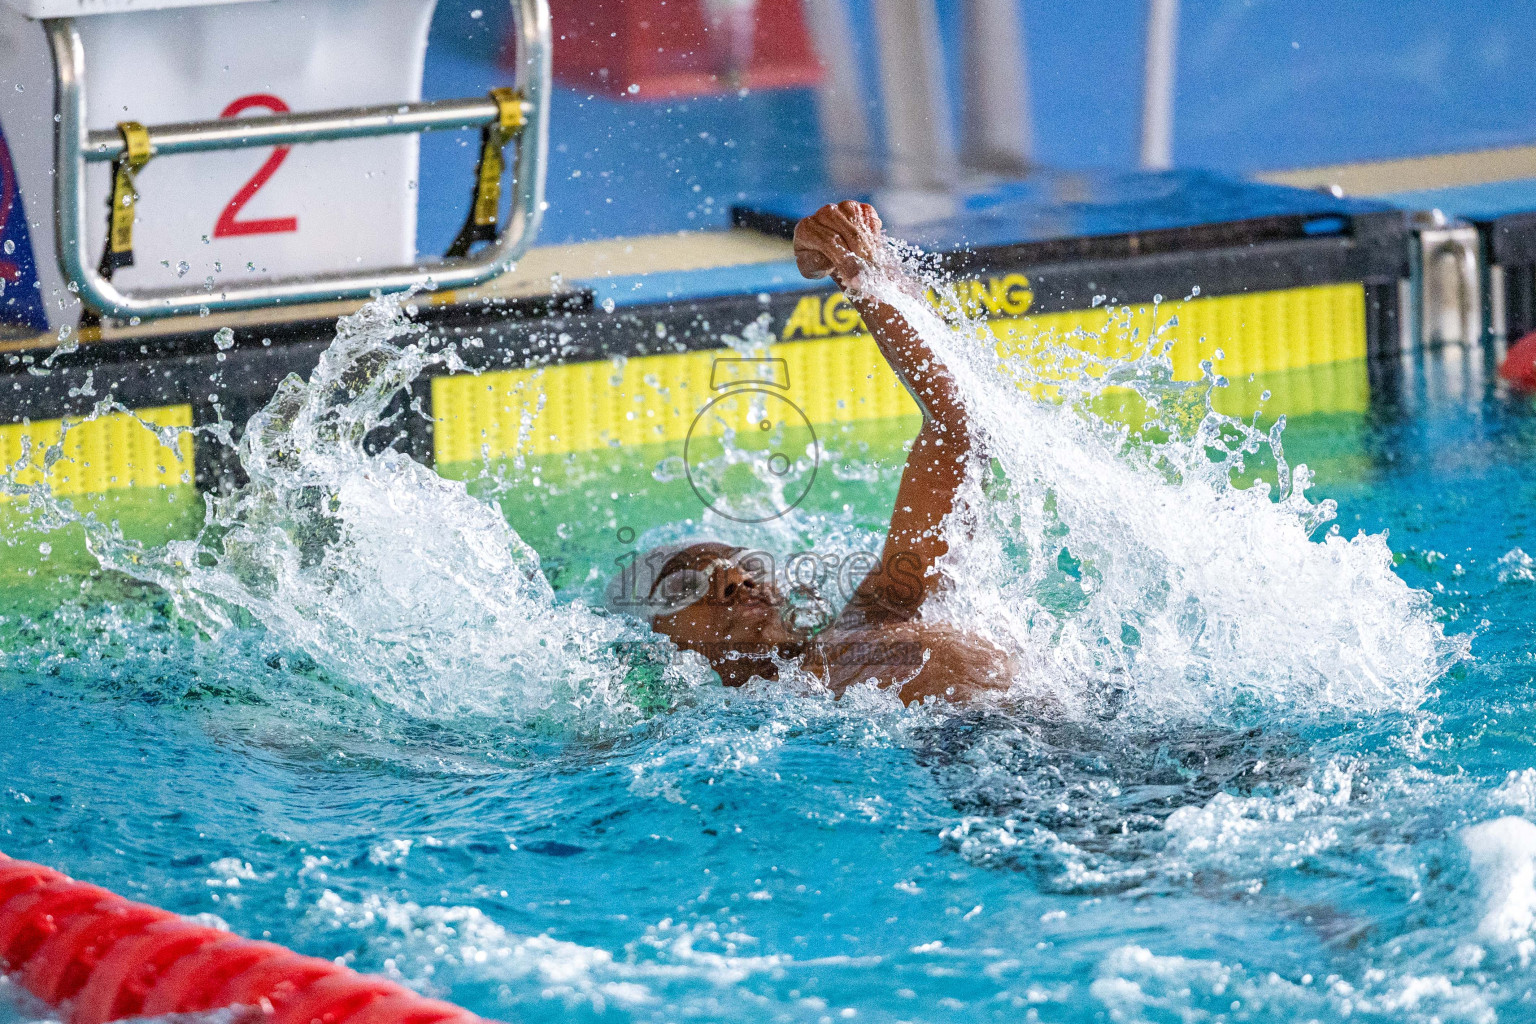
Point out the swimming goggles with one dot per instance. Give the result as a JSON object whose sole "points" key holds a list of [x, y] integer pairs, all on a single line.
{"points": [[682, 588]]}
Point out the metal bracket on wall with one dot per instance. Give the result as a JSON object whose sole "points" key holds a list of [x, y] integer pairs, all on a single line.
{"points": [[76, 147], [1450, 285]]}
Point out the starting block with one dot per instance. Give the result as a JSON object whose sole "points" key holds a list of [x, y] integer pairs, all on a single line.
{"points": [[204, 111]]}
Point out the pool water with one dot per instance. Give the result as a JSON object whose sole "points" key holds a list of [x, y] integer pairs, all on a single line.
{"points": [[631, 842]]}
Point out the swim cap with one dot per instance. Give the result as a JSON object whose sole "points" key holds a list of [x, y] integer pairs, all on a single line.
{"points": [[634, 589]]}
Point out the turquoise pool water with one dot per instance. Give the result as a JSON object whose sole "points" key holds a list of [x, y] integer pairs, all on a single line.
{"points": [[629, 842]]}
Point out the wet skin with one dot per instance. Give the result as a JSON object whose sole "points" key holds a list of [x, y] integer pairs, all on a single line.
{"points": [[739, 624]]}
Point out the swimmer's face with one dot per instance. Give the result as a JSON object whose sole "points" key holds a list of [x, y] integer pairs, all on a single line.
{"points": [[738, 623]]}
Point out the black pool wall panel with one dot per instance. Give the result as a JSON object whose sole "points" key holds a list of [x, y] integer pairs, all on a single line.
{"points": [[1511, 247], [1068, 274]]}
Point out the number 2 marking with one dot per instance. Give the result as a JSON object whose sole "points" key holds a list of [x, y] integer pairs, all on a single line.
{"points": [[227, 224]]}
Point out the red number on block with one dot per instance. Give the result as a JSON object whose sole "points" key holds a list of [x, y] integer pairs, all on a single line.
{"points": [[228, 225]]}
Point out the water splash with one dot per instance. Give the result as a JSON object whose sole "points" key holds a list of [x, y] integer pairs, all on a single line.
{"points": [[751, 479], [1126, 567], [390, 576]]}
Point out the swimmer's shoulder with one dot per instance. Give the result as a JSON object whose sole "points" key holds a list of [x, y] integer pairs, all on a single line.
{"points": [[923, 658]]}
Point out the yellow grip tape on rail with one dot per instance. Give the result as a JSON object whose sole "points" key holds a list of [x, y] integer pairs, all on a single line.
{"points": [[486, 206], [136, 153]]}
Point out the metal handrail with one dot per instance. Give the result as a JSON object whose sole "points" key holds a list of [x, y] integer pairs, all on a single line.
{"points": [[75, 147], [289, 129]]}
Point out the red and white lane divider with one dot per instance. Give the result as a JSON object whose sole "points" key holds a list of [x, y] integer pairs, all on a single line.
{"points": [[99, 957]]}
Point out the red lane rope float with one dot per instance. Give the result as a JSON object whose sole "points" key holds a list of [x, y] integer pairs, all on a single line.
{"points": [[1519, 366], [101, 958]]}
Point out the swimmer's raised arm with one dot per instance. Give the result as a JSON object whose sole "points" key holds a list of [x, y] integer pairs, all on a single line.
{"points": [[842, 241]]}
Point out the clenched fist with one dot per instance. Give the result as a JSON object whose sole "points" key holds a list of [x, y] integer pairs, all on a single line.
{"points": [[839, 239]]}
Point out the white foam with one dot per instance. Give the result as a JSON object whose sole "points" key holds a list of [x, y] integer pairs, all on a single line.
{"points": [[1518, 789], [1243, 832], [415, 942], [1135, 984], [391, 852], [1239, 837], [229, 872], [418, 943], [1503, 856], [1515, 566]]}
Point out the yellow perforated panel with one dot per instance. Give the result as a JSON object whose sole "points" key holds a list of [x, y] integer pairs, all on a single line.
{"points": [[646, 399], [835, 376], [110, 453], [1261, 332]]}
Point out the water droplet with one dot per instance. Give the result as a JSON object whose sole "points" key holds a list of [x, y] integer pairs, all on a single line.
{"points": [[20, 87], [477, 14], [10, 246], [224, 339], [182, 267], [202, 310], [634, 87], [608, 305]]}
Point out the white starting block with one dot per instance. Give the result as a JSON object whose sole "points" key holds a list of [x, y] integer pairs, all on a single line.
{"points": [[233, 207]]}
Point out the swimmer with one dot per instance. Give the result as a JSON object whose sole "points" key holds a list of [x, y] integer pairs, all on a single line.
{"points": [[721, 601]]}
